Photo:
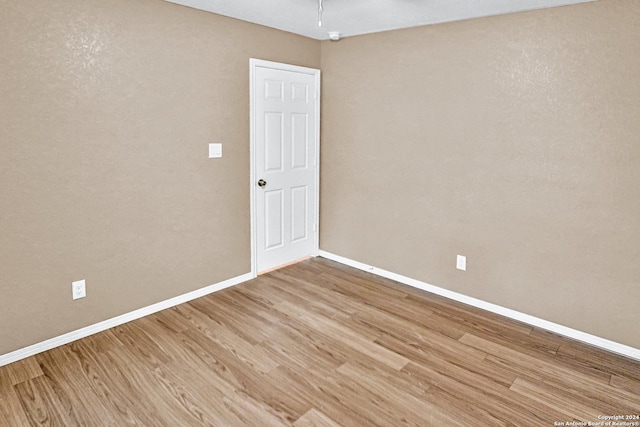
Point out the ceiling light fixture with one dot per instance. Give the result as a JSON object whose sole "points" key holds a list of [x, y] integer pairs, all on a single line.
{"points": [[320, 13]]}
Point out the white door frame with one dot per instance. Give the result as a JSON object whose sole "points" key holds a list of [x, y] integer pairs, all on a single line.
{"points": [[253, 64]]}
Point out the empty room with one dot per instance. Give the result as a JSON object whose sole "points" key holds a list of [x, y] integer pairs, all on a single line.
{"points": [[320, 213]]}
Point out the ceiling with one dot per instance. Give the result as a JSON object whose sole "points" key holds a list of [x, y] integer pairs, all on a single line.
{"points": [[354, 17]]}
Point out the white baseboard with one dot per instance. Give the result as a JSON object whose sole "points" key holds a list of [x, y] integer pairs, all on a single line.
{"points": [[603, 343], [23, 353], [596, 341]]}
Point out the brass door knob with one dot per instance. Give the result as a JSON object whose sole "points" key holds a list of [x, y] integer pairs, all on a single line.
{"points": [[262, 183]]}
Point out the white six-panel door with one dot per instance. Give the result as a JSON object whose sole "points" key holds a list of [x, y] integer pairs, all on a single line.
{"points": [[285, 120]]}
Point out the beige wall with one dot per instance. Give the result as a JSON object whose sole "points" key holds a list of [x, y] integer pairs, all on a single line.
{"points": [[106, 110], [514, 140]]}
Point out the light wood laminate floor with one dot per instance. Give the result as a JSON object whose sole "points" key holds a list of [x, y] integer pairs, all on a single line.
{"points": [[320, 344]]}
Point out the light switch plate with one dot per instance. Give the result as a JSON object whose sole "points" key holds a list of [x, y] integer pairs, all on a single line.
{"points": [[215, 151]]}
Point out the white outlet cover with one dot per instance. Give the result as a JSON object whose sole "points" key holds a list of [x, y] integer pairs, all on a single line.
{"points": [[461, 262], [215, 151], [78, 289]]}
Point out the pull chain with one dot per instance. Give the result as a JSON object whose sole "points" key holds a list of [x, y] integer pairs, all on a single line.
{"points": [[320, 13]]}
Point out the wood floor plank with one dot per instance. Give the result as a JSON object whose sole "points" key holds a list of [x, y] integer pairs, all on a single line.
{"points": [[466, 413], [315, 418], [78, 401], [469, 370], [323, 302], [200, 398], [378, 409], [40, 403], [624, 383], [136, 340], [536, 365], [312, 291], [527, 340], [80, 405], [264, 320], [307, 350], [221, 337], [558, 400], [348, 337], [547, 341], [171, 319], [319, 343], [102, 341], [111, 385], [5, 382], [168, 340], [497, 400], [473, 319], [316, 390], [594, 360], [331, 344], [578, 387], [198, 319], [237, 405], [575, 382], [390, 302], [414, 409], [11, 412], [244, 326], [399, 379], [237, 373], [423, 348], [17, 372], [60, 363], [360, 281]]}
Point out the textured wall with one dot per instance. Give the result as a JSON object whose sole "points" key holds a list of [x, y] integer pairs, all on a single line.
{"points": [[514, 140], [106, 110]]}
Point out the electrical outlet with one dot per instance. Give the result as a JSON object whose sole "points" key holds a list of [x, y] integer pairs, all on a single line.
{"points": [[215, 150], [78, 289], [461, 262]]}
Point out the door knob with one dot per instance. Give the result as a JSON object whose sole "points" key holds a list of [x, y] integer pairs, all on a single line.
{"points": [[262, 183]]}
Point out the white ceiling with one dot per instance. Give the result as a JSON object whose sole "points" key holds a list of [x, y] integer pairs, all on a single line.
{"points": [[353, 17]]}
